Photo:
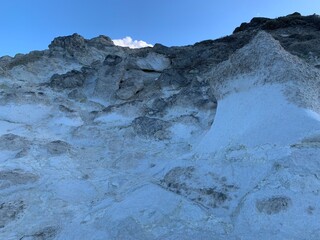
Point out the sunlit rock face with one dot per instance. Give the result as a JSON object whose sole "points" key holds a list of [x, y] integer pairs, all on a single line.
{"points": [[218, 140]]}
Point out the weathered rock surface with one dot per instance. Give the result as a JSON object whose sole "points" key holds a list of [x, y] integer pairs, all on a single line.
{"points": [[16, 177], [13, 142], [70, 79], [58, 147], [218, 140], [10, 211]]}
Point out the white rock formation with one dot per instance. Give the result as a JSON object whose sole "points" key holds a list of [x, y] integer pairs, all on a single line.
{"points": [[266, 96], [103, 142]]}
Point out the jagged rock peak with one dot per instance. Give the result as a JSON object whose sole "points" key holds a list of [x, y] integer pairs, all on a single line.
{"points": [[73, 41], [263, 61], [77, 42], [101, 41], [291, 20]]}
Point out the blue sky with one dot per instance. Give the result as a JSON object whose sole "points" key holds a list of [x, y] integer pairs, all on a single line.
{"points": [[31, 24]]}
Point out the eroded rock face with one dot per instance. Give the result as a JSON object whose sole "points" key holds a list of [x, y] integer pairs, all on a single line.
{"points": [[217, 139]]}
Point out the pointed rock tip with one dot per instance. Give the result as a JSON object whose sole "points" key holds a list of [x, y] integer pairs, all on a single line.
{"points": [[261, 52], [102, 40], [263, 61], [71, 41], [261, 44]]}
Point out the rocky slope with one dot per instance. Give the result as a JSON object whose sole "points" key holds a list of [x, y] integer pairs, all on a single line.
{"points": [[218, 140]]}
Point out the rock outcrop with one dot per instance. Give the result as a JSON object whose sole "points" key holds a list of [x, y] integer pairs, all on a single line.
{"points": [[218, 140], [265, 95]]}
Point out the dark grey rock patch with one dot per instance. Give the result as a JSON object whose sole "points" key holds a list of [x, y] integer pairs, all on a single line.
{"points": [[112, 60], [151, 127], [24, 152], [308, 142], [310, 210], [58, 147], [47, 233], [13, 142], [16, 177], [273, 205], [291, 20], [158, 106], [128, 88], [172, 77], [76, 94], [10, 211], [183, 181], [72, 79], [72, 43], [24, 59], [65, 109], [101, 42]]}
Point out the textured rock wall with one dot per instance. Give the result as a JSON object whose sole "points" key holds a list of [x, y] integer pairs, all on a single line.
{"points": [[101, 142]]}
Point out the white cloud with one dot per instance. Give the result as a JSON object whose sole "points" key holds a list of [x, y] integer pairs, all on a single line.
{"points": [[129, 42]]}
